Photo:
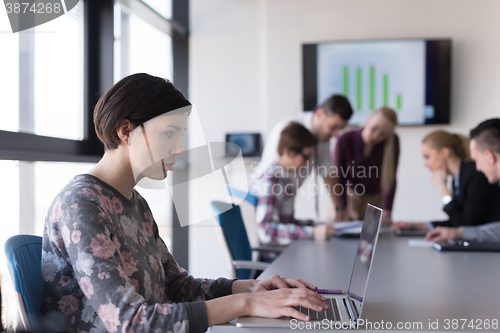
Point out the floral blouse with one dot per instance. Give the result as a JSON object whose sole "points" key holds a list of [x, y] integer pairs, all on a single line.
{"points": [[105, 268]]}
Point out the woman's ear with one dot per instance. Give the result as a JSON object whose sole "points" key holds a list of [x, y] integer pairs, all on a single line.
{"points": [[445, 152], [123, 130]]}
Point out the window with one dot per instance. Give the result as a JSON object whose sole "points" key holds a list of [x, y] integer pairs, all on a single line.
{"points": [[51, 76], [139, 46], [162, 7], [41, 86]]}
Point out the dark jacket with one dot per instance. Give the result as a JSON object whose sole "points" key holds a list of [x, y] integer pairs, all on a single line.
{"points": [[477, 203]]}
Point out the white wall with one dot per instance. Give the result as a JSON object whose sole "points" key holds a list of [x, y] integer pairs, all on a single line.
{"points": [[245, 75]]}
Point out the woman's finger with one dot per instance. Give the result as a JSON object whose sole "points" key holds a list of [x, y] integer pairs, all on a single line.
{"points": [[310, 303], [299, 283], [278, 282], [291, 312]]}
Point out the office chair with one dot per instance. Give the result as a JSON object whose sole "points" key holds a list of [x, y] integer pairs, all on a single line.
{"points": [[236, 239], [247, 207], [24, 258]]}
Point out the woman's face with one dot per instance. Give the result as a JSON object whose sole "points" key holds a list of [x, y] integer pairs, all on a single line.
{"points": [[377, 129], [155, 145], [434, 159]]}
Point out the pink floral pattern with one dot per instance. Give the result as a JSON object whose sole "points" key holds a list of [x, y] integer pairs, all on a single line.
{"points": [[68, 304], [106, 268], [108, 313], [87, 287], [102, 246], [75, 236]]}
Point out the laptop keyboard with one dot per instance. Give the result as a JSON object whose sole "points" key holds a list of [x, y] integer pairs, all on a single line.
{"points": [[331, 314]]}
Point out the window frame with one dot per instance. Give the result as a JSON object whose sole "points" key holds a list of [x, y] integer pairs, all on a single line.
{"points": [[98, 78]]}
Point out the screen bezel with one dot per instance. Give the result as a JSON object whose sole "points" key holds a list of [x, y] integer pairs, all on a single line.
{"points": [[438, 76]]}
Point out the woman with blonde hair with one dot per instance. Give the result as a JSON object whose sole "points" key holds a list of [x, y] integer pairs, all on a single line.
{"points": [[471, 199], [367, 160]]}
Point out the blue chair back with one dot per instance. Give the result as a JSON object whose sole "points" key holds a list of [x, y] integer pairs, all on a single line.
{"points": [[252, 199], [233, 228], [24, 258]]}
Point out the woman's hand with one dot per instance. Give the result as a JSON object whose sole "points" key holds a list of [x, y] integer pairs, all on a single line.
{"points": [[274, 282], [438, 179], [410, 226], [271, 298], [278, 303]]}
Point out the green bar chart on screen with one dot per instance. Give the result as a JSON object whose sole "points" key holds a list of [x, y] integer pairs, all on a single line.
{"points": [[374, 74], [385, 89], [372, 87], [345, 81], [357, 88]]}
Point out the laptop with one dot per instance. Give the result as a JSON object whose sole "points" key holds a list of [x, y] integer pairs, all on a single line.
{"points": [[451, 245], [344, 307]]}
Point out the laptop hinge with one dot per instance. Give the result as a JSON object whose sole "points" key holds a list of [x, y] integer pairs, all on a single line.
{"points": [[348, 305]]}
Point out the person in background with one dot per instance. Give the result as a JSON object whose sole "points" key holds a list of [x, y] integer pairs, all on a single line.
{"points": [[324, 123], [276, 190], [367, 161], [485, 150], [105, 267], [471, 199]]}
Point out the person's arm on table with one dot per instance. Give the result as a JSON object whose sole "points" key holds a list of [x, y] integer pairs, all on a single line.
{"points": [[484, 233], [409, 226]]}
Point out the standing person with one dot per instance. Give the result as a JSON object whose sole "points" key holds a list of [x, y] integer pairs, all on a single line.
{"points": [[485, 150], [324, 123], [471, 200], [367, 161], [277, 189], [105, 267]]}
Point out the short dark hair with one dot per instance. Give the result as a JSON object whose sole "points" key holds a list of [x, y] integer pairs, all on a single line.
{"points": [[337, 104], [138, 98], [487, 135], [295, 137]]}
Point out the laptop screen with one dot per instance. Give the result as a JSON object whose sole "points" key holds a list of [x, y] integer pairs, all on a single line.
{"points": [[364, 255]]}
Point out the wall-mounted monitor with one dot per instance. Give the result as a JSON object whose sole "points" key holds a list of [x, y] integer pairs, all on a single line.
{"points": [[411, 76], [249, 143]]}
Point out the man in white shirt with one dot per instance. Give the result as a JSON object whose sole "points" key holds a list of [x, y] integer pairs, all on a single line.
{"points": [[324, 123], [485, 150]]}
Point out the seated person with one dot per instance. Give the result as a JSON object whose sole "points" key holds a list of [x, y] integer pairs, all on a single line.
{"points": [[367, 161], [104, 266], [471, 201], [485, 150], [277, 187]]}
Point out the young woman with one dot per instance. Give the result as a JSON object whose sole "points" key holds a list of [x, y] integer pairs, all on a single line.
{"points": [[367, 161], [104, 266], [471, 200]]}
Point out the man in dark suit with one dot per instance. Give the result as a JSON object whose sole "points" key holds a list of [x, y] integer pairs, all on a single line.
{"points": [[485, 150]]}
